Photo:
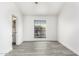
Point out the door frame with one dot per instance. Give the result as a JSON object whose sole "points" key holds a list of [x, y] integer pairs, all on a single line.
{"points": [[14, 18]]}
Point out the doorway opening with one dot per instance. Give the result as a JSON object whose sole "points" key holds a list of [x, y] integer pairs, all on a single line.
{"points": [[13, 30]]}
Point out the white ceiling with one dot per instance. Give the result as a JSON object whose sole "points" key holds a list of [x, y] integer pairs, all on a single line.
{"points": [[42, 8]]}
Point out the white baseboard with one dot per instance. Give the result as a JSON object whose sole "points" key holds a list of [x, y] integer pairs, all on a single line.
{"points": [[4, 53], [40, 40], [68, 47]]}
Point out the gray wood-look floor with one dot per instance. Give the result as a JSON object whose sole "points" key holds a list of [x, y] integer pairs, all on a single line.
{"points": [[40, 49]]}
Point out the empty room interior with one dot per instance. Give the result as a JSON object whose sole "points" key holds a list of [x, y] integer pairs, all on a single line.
{"points": [[39, 28]]}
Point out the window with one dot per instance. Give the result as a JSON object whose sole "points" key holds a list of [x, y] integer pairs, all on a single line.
{"points": [[39, 28]]}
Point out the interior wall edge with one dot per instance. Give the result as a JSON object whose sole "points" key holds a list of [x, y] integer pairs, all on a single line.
{"points": [[65, 45]]}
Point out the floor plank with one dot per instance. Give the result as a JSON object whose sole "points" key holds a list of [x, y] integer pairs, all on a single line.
{"points": [[35, 48]]}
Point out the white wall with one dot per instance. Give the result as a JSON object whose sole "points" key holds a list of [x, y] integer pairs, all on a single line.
{"points": [[68, 27], [51, 22], [6, 12]]}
